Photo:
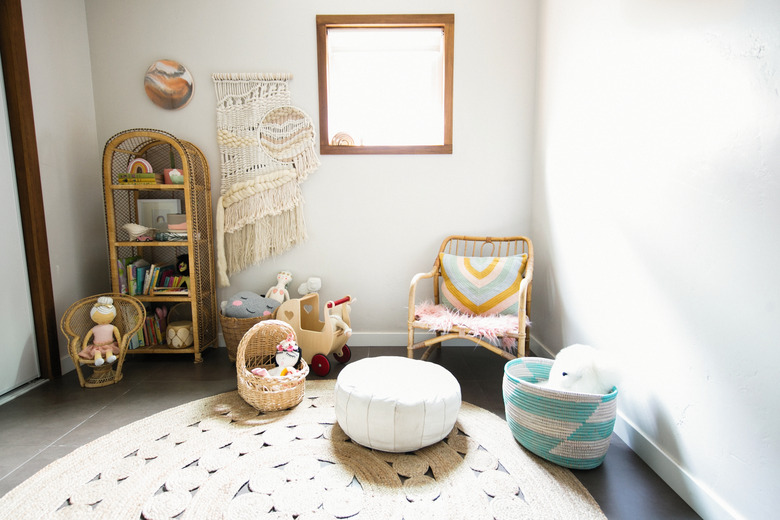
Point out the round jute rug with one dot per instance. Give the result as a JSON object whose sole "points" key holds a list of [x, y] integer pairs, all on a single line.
{"points": [[218, 458]]}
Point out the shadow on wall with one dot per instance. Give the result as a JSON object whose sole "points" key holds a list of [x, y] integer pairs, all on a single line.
{"points": [[665, 433]]}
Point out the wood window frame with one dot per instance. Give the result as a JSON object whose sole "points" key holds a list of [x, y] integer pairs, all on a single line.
{"points": [[325, 22]]}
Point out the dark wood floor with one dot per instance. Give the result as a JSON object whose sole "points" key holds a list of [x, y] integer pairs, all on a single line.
{"points": [[53, 419]]}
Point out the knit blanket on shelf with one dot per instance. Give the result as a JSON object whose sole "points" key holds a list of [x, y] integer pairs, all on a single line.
{"points": [[267, 149]]}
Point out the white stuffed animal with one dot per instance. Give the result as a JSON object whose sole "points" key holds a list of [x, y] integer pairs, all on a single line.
{"points": [[312, 285], [339, 323], [337, 313], [582, 369]]}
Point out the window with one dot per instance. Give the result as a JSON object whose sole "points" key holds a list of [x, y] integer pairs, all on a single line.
{"points": [[385, 83]]}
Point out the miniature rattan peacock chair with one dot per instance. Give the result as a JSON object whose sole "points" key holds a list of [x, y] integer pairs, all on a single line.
{"points": [[76, 324], [481, 293]]}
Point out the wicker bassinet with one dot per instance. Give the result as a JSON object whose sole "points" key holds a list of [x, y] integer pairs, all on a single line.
{"points": [[257, 348], [568, 428]]}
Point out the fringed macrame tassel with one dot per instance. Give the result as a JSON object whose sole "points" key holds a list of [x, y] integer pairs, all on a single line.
{"points": [[270, 236], [255, 201], [222, 276], [306, 162]]}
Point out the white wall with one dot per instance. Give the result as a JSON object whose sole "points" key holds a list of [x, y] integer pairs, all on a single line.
{"points": [[655, 193], [656, 209], [372, 221], [68, 151]]}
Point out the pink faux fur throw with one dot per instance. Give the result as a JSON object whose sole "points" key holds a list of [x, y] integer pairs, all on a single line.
{"points": [[490, 328]]}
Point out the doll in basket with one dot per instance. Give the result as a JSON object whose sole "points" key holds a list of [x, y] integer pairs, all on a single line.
{"points": [[288, 355], [105, 336]]}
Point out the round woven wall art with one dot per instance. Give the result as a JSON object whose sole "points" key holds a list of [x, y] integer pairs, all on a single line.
{"points": [[168, 84], [285, 133]]}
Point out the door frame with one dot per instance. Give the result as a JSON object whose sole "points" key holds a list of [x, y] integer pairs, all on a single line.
{"points": [[28, 180]]}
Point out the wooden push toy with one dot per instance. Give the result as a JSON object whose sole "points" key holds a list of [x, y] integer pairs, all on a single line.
{"points": [[318, 338]]}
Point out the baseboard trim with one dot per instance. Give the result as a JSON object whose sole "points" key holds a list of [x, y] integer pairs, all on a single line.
{"points": [[21, 390], [383, 339], [695, 493], [701, 499]]}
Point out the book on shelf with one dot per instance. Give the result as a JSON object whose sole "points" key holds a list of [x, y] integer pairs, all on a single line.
{"points": [[170, 291], [167, 283], [151, 332], [121, 276], [122, 272], [134, 271], [138, 277], [136, 178], [148, 279]]}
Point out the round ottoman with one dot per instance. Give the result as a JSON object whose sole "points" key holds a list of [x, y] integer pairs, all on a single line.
{"points": [[396, 404]]}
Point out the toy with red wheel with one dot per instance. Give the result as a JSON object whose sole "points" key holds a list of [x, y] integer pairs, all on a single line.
{"points": [[318, 338]]}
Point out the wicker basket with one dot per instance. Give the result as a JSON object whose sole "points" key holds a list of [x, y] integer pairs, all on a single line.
{"points": [[258, 349], [233, 329], [568, 428]]}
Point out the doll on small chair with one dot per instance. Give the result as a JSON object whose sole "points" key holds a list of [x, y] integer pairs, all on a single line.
{"points": [[105, 336], [288, 355]]}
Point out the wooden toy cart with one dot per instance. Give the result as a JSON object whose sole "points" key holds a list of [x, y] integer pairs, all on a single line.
{"points": [[318, 338]]}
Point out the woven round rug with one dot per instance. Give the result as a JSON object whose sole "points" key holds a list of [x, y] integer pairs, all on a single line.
{"points": [[218, 458]]}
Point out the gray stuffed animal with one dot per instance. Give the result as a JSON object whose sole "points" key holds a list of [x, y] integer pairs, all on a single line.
{"points": [[247, 304]]}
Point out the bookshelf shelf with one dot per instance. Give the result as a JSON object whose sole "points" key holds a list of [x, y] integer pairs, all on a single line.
{"points": [[148, 187], [152, 243], [162, 150]]}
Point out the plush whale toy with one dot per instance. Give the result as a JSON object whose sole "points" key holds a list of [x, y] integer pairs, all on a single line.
{"points": [[582, 369]]}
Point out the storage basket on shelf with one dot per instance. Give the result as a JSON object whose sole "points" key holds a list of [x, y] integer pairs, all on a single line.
{"points": [[179, 331], [257, 349], [233, 329], [568, 428]]}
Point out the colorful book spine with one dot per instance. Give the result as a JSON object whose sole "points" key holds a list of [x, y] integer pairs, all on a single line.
{"points": [[140, 276], [121, 276]]}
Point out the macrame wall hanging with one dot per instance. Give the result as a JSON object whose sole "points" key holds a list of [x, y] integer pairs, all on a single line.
{"points": [[267, 149]]}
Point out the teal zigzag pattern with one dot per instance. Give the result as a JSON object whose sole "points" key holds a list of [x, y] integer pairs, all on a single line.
{"points": [[572, 430]]}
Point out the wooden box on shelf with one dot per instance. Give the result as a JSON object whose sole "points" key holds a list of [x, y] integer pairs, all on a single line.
{"points": [[161, 267]]}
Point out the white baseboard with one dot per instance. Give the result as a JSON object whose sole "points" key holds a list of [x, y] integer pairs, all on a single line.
{"points": [[701, 499], [16, 392], [382, 339], [695, 493]]}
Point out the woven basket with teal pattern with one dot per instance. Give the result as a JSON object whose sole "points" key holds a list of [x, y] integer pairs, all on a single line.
{"points": [[568, 428]]}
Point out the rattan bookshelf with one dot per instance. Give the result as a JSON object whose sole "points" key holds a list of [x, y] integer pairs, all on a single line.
{"points": [[121, 204]]}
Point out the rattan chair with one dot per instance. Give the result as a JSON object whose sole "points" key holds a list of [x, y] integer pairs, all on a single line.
{"points": [[464, 326], [76, 323]]}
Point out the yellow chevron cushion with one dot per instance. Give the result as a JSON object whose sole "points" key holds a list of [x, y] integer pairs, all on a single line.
{"points": [[481, 285]]}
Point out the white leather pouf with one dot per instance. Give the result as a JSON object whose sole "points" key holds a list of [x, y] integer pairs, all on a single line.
{"points": [[396, 404]]}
